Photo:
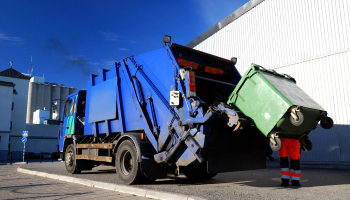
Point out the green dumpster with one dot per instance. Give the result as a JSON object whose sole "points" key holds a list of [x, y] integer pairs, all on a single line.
{"points": [[276, 105]]}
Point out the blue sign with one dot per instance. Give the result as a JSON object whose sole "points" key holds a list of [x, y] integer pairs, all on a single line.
{"points": [[25, 134], [24, 140]]}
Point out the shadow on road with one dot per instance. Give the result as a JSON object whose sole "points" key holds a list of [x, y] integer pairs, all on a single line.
{"points": [[269, 177], [110, 171]]}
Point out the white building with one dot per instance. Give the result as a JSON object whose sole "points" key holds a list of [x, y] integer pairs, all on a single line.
{"points": [[6, 91], [19, 107], [308, 40], [40, 116], [41, 94]]}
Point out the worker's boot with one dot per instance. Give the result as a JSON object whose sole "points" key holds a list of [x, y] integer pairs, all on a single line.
{"points": [[285, 182], [296, 173], [296, 183]]}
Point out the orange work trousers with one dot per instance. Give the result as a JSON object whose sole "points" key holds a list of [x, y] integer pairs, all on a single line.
{"points": [[291, 147]]}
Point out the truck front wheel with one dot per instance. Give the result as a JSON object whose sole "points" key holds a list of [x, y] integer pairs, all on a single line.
{"points": [[70, 160], [127, 167]]}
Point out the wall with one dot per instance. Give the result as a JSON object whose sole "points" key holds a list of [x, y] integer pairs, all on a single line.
{"points": [[41, 138], [307, 39], [40, 116], [6, 91], [18, 114]]}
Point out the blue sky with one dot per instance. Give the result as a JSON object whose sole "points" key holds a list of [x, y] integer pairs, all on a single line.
{"points": [[71, 39]]}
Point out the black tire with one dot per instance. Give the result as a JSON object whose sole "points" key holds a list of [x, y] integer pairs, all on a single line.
{"points": [[278, 145], [306, 144], [127, 167], [70, 161], [299, 121], [328, 124], [198, 173]]}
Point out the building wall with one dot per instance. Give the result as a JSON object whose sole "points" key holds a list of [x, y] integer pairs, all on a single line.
{"points": [[6, 92], [40, 116], [5, 107], [18, 114], [41, 138], [307, 39]]}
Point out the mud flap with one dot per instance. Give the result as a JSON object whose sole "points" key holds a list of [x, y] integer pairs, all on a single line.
{"points": [[149, 167], [153, 170], [230, 151]]}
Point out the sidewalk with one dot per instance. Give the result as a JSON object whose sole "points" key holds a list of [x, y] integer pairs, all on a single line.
{"points": [[16, 185]]}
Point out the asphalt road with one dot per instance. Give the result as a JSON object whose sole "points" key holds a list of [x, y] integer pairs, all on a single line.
{"points": [[256, 184]]}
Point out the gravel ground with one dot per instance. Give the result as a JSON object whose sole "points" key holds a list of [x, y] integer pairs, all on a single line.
{"points": [[255, 184]]}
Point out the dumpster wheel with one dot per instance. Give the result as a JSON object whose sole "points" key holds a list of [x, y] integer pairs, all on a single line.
{"points": [[297, 121], [306, 144], [277, 145], [327, 123]]}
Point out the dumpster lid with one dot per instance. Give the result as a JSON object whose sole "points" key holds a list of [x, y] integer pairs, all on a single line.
{"points": [[291, 91]]}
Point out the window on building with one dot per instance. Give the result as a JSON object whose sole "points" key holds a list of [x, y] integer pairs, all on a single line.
{"points": [[0, 139], [11, 125], [13, 104]]}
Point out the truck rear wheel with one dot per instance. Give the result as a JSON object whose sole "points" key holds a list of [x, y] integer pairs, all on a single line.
{"points": [[70, 162], [127, 167]]}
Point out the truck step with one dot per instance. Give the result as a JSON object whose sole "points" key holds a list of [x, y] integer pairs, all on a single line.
{"points": [[95, 146], [96, 158]]}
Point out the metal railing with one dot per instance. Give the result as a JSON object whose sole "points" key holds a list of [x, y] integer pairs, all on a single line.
{"points": [[11, 155]]}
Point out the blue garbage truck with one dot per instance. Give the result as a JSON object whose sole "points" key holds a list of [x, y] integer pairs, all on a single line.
{"points": [[158, 113]]}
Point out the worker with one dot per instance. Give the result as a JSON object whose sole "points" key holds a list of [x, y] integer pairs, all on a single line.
{"points": [[291, 147]]}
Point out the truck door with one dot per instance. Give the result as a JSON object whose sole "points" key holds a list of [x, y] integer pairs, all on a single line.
{"points": [[64, 119]]}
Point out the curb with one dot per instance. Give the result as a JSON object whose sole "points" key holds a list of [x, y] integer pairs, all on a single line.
{"points": [[114, 187]]}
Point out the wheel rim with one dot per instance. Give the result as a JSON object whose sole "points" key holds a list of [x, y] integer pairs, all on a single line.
{"points": [[69, 158], [126, 162]]}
